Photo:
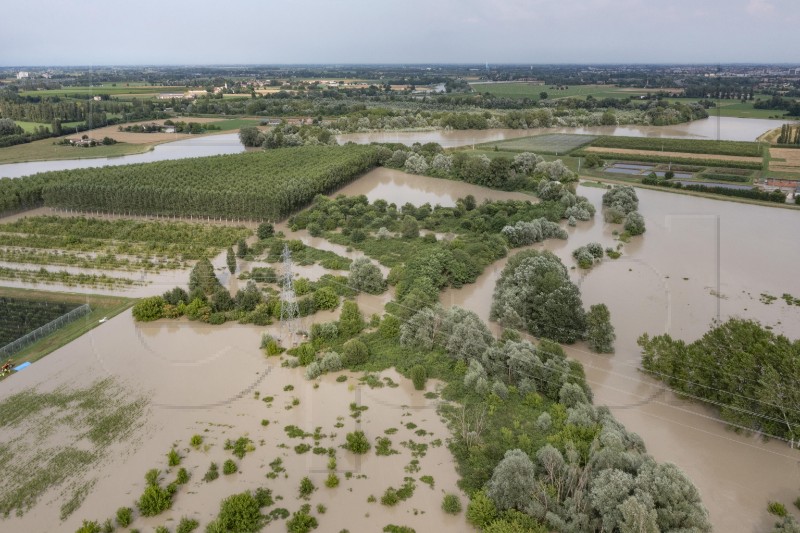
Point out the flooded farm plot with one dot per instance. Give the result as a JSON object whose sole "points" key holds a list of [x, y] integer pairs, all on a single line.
{"points": [[213, 381]]}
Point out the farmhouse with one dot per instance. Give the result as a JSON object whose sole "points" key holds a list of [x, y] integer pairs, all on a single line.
{"points": [[170, 96], [22, 74], [195, 94]]}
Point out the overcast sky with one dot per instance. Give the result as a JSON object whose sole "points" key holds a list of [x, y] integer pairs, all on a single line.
{"points": [[115, 32]]}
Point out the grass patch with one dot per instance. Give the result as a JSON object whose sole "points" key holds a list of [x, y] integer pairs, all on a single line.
{"points": [[556, 143]]}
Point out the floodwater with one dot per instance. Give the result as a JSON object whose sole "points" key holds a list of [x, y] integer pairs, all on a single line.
{"points": [[700, 260], [202, 379], [666, 282], [226, 143], [399, 188], [730, 129]]}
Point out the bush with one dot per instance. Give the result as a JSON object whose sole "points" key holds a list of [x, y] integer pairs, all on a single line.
{"points": [[196, 441], [173, 457], [366, 277], [481, 510], [777, 509], [124, 516], [212, 473], [355, 352], [240, 513], [229, 467], [419, 375], [183, 477], [451, 504], [357, 443], [265, 230], [634, 223], [187, 525], [301, 521], [332, 481], [307, 488], [154, 500], [149, 309], [326, 298], [89, 527]]}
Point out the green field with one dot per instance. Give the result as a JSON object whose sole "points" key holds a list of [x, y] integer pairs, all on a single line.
{"points": [[734, 108], [557, 143], [521, 90], [102, 306], [45, 150], [120, 89], [231, 124], [693, 146]]}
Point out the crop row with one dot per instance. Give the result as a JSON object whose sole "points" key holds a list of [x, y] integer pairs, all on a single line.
{"points": [[23, 316], [646, 158], [64, 278], [261, 185], [99, 261], [693, 146]]}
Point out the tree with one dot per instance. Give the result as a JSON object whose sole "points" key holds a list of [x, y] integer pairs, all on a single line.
{"points": [[513, 481], [149, 309], [241, 513], [265, 230], [543, 95], [409, 227], [366, 276], [600, 332], [623, 197], [351, 322], [231, 260], [241, 248], [202, 277], [250, 136], [326, 298], [634, 223], [355, 352], [451, 504]]}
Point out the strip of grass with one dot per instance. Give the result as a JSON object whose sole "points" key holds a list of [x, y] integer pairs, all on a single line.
{"points": [[45, 150], [102, 306], [691, 146], [647, 158]]}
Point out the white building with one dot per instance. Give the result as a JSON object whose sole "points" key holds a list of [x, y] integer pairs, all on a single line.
{"points": [[22, 74]]}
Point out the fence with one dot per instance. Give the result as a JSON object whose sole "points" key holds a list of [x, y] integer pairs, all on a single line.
{"points": [[43, 331]]}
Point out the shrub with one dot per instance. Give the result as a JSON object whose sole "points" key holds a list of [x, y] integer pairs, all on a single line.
{"points": [[240, 446], [451, 504], [301, 521], [366, 277], [89, 527], [151, 477], [229, 467], [307, 488], [357, 442], [355, 352], [481, 510], [271, 345], [634, 223], [332, 481], [196, 441], [149, 309], [124, 516], [154, 500], [173, 457], [241, 513], [212, 473], [326, 298], [265, 230], [187, 525], [419, 375], [777, 509], [600, 332], [182, 477]]}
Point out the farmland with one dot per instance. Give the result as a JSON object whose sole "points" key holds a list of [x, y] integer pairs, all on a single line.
{"points": [[47, 149], [115, 245], [261, 185], [675, 156], [697, 146], [784, 159], [117, 89], [544, 144], [520, 90], [101, 306], [21, 316]]}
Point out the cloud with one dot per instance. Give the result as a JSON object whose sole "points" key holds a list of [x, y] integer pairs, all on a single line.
{"points": [[760, 7]]}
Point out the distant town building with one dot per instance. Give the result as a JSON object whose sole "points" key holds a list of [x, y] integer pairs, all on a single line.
{"points": [[22, 74], [170, 96], [195, 94]]}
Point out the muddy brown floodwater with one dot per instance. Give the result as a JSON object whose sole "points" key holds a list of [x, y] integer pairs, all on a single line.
{"points": [[202, 379], [700, 260]]}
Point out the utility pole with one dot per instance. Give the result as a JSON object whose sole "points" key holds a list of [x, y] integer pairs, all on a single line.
{"points": [[290, 313]]}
